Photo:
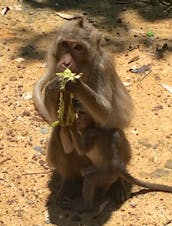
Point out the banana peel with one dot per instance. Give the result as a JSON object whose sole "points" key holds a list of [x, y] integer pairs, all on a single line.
{"points": [[66, 113]]}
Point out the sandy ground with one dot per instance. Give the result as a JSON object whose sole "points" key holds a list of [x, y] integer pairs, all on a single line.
{"points": [[26, 183]]}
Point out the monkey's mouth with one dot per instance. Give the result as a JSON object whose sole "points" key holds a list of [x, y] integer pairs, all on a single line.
{"points": [[62, 69]]}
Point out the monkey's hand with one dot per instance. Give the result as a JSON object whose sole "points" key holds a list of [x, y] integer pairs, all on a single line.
{"points": [[54, 84], [73, 85], [88, 170]]}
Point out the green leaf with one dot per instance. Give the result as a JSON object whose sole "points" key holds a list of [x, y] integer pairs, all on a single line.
{"points": [[150, 33], [66, 112]]}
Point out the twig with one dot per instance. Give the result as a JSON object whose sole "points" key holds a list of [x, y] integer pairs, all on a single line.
{"points": [[143, 76], [168, 222], [35, 173], [68, 16], [8, 158]]}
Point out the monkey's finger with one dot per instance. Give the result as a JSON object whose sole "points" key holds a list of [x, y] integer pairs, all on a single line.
{"points": [[66, 203]]}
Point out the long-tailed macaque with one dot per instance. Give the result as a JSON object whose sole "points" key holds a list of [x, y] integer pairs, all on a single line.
{"points": [[109, 153], [77, 46]]}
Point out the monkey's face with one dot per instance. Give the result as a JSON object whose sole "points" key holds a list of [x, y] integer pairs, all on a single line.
{"points": [[77, 47], [71, 54]]}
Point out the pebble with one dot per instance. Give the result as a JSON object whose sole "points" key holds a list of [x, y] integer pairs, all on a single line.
{"points": [[168, 164], [154, 146], [27, 96], [44, 130], [26, 113], [20, 59], [38, 148], [13, 78], [133, 204], [160, 173]]}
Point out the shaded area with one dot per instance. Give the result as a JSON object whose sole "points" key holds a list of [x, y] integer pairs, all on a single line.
{"points": [[61, 217], [104, 15], [149, 9]]}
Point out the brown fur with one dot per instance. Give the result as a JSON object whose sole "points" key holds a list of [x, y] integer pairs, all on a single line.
{"points": [[109, 152], [100, 91]]}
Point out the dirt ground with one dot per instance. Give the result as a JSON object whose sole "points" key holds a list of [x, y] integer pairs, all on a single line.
{"points": [[136, 31]]}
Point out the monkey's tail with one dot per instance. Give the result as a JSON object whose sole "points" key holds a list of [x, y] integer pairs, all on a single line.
{"points": [[154, 187], [37, 96]]}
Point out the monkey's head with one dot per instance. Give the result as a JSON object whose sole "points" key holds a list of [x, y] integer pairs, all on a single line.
{"points": [[76, 44]]}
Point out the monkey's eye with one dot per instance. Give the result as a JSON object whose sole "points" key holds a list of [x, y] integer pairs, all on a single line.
{"points": [[78, 47], [65, 44]]}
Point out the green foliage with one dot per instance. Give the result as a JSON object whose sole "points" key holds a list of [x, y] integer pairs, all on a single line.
{"points": [[66, 113], [150, 33]]}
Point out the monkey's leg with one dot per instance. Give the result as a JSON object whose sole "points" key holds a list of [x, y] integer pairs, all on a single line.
{"points": [[91, 182], [86, 203], [120, 191], [77, 140], [67, 166]]}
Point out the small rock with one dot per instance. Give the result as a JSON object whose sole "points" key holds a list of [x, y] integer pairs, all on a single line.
{"points": [[44, 130], [168, 164], [132, 204], [27, 96], [157, 78], [20, 59], [24, 133], [13, 78], [154, 146], [26, 113], [47, 218], [30, 202], [157, 108], [160, 173], [38, 148], [127, 84]]}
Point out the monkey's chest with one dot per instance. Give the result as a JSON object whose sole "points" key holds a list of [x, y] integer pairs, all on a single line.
{"points": [[98, 159]]}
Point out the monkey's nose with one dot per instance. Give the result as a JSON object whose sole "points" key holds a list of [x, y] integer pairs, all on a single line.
{"points": [[66, 64]]}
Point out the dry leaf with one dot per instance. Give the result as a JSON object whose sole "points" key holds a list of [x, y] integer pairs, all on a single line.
{"points": [[5, 10], [167, 87], [67, 16]]}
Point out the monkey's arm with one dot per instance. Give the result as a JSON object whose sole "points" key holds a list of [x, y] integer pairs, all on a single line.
{"points": [[97, 104], [78, 141], [37, 96], [51, 98]]}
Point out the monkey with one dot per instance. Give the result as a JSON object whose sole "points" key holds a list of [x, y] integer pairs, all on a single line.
{"points": [[77, 46], [109, 152]]}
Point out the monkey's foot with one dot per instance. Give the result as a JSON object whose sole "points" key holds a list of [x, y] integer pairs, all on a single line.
{"points": [[76, 204], [70, 190], [120, 191]]}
